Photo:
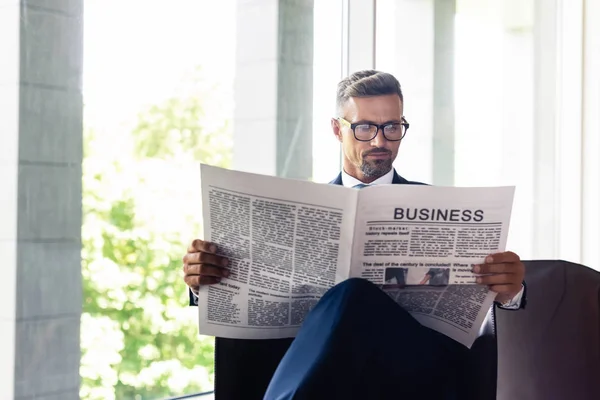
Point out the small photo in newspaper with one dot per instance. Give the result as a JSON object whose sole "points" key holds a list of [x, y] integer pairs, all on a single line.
{"points": [[397, 277]]}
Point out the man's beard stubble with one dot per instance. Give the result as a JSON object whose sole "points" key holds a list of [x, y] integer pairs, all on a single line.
{"points": [[376, 168]]}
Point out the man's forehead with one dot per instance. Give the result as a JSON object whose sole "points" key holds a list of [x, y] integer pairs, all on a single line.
{"points": [[384, 107]]}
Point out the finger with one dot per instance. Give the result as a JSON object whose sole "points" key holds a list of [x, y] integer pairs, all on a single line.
{"points": [[506, 257], [516, 269], [195, 281], [200, 245], [494, 269], [209, 280], [207, 270], [503, 289], [205, 258], [499, 279]]}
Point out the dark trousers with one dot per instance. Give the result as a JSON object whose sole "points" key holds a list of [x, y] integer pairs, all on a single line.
{"points": [[357, 343]]}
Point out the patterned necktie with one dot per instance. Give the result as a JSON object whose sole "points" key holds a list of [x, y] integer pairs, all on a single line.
{"points": [[359, 186]]}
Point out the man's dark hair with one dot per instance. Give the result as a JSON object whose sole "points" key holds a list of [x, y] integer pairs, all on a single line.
{"points": [[366, 83]]}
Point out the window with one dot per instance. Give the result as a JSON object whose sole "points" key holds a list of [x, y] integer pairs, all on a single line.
{"points": [[108, 107], [158, 97], [494, 95]]}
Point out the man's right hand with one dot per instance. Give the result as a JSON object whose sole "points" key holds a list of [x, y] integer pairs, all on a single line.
{"points": [[202, 265]]}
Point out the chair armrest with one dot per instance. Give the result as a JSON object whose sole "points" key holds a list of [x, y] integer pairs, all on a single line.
{"points": [[201, 396]]}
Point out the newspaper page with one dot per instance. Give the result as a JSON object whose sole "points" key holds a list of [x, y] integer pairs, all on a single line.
{"points": [[421, 242], [288, 241]]}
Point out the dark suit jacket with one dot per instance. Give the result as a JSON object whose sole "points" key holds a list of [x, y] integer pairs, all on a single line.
{"points": [[397, 180]]}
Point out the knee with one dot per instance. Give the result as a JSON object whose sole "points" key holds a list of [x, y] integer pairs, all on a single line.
{"points": [[355, 286], [357, 283], [352, 297]]}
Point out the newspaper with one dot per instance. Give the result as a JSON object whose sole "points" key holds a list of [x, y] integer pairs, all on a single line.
{"points": [[289, 241]]}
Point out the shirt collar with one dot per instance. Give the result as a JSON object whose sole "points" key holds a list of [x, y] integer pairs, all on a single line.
{"points": [[350, 181]]}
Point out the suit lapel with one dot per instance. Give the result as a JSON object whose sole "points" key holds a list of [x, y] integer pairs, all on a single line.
{"points": [[398, 180], [337, 180]]}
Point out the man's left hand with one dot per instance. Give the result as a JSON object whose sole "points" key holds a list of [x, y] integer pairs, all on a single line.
{"points": [[505, 273]]}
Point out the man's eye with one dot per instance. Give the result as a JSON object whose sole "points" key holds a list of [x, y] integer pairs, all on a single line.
{"points": [[392, 128], [363, 128]]}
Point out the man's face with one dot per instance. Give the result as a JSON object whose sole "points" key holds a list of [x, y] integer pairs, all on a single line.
{"points": [[368, 161]]}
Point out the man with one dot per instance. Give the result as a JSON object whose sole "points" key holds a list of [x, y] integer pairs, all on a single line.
{"points": [[395, 277], [356, 342], [436, 277]]}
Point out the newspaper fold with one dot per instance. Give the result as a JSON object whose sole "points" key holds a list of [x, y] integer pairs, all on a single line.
{"points": [[289, 241]]}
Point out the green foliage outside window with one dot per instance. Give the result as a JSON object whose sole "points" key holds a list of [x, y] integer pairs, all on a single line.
{"points": [[139, 338]]}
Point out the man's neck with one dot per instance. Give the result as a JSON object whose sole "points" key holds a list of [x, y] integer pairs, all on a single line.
{"points": [[351, 180]]}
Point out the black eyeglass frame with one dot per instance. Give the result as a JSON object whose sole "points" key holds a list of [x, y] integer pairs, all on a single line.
{"points": [[381, 127]]}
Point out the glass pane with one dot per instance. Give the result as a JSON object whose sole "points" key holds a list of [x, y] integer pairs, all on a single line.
{"points": [[158, 94], [326, 74], [164, 89]]}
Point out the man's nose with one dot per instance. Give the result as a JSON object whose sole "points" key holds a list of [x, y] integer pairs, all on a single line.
{"points": [[379, 140]]}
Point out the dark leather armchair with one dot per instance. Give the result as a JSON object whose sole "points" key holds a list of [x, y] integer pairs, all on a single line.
{"points": [[550, 350]]}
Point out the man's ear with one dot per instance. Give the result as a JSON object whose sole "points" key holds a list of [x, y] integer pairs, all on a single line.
{"points": [[335, 127]]}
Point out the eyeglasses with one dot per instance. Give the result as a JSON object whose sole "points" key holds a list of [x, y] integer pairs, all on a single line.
{"points": [[365, 132]]}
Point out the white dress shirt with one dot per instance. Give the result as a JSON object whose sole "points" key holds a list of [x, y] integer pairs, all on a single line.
{"points": [[350, 181]]}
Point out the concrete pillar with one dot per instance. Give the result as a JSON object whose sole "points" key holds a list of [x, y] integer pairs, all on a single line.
{"points": [[40, 198], [546, 211], [591, 137], [360, 35], [273, 88], [443, 92], [569, 134]]}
